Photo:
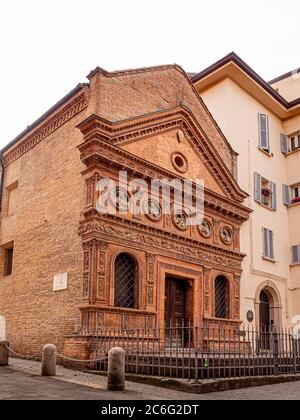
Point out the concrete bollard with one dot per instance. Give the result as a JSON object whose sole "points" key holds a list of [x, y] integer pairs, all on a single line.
{"points": [[49, 360], [4, 353], [116, 370]]}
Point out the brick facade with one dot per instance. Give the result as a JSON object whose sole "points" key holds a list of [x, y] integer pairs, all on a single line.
{"points": [[130, 121]]}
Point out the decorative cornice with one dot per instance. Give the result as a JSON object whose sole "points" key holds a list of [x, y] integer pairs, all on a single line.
{"points": [[55, 122], [113, 226]]}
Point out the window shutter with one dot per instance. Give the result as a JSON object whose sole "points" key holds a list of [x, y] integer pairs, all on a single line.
{"points": [[274, 195], [286, 195], [257, 187], [263, 122], [284, 144], [265, 243], [271, 244], [296, 254], [268, 243]]}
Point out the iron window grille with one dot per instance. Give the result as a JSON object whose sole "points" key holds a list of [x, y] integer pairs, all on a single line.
{"points": [[221, 298], [126, 274]]}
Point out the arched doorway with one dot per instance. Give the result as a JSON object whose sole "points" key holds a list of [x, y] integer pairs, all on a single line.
{"points": [[268, 306], [264, 310], [264, 320]]}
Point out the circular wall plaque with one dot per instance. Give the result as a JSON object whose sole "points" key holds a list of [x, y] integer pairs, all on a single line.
{"points": [[250, 316], [180, 220], [205, 229], [226, 235]]}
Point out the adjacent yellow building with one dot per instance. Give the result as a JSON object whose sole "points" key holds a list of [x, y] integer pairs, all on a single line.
{"points": [[262, 122]]}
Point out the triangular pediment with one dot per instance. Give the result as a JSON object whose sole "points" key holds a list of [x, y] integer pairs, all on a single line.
{"points": [[173, 151], [157, 137]]}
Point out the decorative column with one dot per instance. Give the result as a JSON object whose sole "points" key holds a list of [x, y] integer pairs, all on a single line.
{"points": [[91, 191], [237, 298], [87, 270], [150, 281], [95, 286], [207, 291], [236, 239], [216, 227], [102, 287]]}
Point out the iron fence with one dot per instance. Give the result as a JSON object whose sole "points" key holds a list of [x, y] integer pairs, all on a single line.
{"points": [[210, 351]]}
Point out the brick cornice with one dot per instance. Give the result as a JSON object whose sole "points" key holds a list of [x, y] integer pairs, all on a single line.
{"points": [[58, 119]]}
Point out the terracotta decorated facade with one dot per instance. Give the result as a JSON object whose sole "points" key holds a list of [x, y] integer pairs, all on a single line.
{"points": [[123, 270]]}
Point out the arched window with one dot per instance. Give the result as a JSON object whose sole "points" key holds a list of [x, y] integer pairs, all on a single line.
{"points": [[222, 298], [126, 282]]}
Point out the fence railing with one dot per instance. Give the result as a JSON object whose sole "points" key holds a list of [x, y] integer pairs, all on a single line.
{"points": [[215, 350]]}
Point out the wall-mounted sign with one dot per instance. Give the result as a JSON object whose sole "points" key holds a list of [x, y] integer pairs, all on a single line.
{"points": [[250, 316], [60, 282]]}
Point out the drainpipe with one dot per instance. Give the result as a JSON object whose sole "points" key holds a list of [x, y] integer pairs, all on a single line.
{"points": [[1, 180]]}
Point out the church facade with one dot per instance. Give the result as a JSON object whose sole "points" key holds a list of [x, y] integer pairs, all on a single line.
{"points": [[70, 270]]}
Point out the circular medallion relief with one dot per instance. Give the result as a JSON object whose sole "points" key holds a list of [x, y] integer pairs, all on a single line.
{"points": [[179, 162], [180, 219], [152, 210], [205, 229], [120, 199], [226, 235]]}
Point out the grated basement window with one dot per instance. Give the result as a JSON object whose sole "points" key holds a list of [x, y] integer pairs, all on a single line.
{"points": [[221, 298], [125, 282]]}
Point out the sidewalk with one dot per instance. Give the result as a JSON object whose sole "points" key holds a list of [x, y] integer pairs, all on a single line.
{"points": [[22, 381]]}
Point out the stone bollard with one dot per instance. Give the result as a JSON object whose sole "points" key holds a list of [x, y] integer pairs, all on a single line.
{"points": [[4, 353], [49, 360], [116, 370]]}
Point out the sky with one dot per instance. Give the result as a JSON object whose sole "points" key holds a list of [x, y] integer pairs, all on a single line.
{"points": [[48, 47]]}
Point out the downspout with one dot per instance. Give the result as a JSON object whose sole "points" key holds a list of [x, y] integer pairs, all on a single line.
{"points": [[1, 180]]}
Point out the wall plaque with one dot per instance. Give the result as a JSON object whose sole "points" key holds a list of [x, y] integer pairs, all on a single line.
{"points": [[60, 282], [250, 316]]}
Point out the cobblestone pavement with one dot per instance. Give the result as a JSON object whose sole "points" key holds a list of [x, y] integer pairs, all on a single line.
{"points": [[20, 381]]}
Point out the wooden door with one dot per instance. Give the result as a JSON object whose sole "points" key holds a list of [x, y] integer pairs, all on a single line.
{"points": [[175, 311], [264, 320]]}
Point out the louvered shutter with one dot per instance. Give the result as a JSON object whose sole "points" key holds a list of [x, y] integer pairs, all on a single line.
{"points": [[263, 123], [271, 244], [274, 195], [286, 195], [265, 242], [284, 144], [296, 254], [257, 187]]}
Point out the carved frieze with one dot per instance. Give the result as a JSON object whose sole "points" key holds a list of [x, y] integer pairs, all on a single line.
{"points": [[200, 251]]}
